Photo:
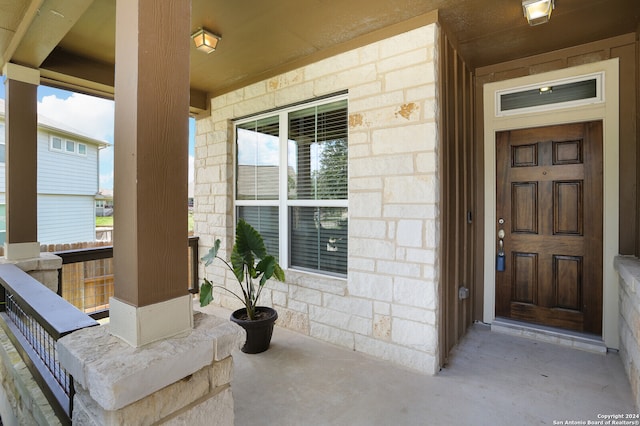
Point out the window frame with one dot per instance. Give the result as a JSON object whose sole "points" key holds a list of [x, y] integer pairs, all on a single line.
{"points": [[283, 203], [53, 148], [64, 145]]}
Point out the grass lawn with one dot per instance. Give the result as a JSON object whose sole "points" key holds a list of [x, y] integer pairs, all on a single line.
{"points": [[104, 221], [108, 221]]}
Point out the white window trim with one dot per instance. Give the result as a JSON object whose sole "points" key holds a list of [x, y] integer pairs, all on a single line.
{"points": [[52, 148], [63, 147], [66, 144], [283, 203], [608, 112]]}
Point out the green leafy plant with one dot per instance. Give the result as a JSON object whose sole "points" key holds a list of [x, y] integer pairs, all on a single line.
{"points": [[250, 264]]}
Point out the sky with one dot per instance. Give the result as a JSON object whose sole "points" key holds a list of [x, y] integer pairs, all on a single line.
{"points": [[91, 116]]}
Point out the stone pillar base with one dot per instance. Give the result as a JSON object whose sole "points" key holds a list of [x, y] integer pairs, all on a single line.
{"points": [[182, 380], [43, 268]]}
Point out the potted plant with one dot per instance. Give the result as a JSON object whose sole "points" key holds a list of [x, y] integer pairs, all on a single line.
{"points": [[252, 267]]}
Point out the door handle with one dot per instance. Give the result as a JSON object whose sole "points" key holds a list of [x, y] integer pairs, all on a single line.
{"points": [[500, 260]]}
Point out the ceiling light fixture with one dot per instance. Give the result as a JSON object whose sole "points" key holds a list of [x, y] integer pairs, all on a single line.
{"points": [[205, 41], [537, 11]]}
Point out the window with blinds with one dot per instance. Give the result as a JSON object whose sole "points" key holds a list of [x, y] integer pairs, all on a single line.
{"points": [[291, 183]]}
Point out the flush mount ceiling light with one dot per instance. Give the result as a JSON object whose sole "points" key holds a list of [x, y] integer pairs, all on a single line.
{"points": [[205, 41], [537, 11]]}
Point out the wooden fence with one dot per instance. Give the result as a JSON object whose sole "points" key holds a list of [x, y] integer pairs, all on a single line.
{"points": [[88, 284]]}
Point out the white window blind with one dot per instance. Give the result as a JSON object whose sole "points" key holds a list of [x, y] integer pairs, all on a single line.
{"points": [[265, 220], [319, 238]]}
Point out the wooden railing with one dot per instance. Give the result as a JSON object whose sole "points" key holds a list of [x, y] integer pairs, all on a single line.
{"points": [[86, 277], [35, 318]]}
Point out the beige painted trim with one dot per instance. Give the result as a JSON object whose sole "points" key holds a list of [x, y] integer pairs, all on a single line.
{"points": [[20, 73], [608, 112], [139, 326], [21, 251]]}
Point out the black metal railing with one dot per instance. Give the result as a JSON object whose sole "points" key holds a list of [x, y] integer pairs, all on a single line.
{"points": [[35, 318], [91, 272]]}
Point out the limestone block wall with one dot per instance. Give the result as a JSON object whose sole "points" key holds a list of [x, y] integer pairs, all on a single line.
{"points": [[629, 322], [387, 305]]}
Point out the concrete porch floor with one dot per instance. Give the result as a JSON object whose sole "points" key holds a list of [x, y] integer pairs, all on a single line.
{"points": [[491, 379]]}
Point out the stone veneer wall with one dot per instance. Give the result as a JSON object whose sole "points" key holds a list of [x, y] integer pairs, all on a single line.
{"points": [[387, 306], [629, 322]]}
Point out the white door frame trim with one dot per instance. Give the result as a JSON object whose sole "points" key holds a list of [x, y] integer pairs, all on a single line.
{"points": [[608, 112]]}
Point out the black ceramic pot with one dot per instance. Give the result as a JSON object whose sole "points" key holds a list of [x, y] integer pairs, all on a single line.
{"points": [[259, 331]]}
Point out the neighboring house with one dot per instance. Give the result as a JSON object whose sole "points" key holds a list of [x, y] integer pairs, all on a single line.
{"points": [[104, 203], [67, 182]]}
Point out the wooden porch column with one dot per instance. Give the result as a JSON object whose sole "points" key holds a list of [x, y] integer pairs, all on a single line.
{"points": [[21, 86], [151, 158]]}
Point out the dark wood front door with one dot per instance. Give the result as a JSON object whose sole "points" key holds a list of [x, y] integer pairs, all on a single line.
{"points": [[549, 195]]}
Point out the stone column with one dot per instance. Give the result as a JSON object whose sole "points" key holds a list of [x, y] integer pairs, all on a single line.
{"points": [[151, 300], [43, 268], [155, 363], [21, 131], [183, 380]]}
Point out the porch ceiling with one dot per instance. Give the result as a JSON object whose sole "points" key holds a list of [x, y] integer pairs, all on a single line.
{"points": [[72, 42]]}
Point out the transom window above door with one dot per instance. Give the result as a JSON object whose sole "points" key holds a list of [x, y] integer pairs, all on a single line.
{"points": [[556, 94]]}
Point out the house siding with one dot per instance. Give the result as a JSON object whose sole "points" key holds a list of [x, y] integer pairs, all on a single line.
{"points": [[3, 183], [67, 184], [387, 306], [62, 173], [66, 218]]}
